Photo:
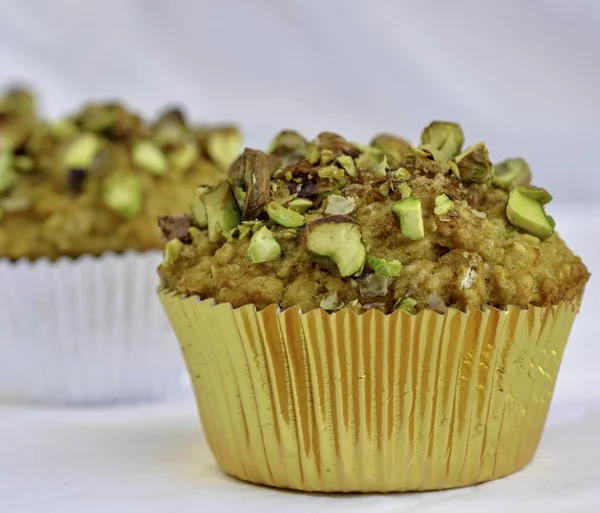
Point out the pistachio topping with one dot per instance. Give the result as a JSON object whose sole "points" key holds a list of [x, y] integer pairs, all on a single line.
{"points": [[335, 243], [222, 211], [401, 174], [263, 247], [284, 216], [288, 141], [405, 190], [223, 145], [408, 304], [474, 165], [373, 285], [331, 302], [123, 193], [198, 209], [511, 173], [172, 251], [347, 164], [525, 210], [339, 205], [176, 227], [443, 137], [393, 147], [300, 205], [255, 170], [410, 215], [148, 156], [443, 205], [382, 267], [332, 172], [81, 152], [182, 158]]}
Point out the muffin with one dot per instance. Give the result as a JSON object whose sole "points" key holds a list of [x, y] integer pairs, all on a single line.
{"points": [[371, 318], [79, 245]]}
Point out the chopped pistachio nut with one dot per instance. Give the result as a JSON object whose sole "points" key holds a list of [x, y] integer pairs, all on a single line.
{"points": [[195, 233], [371, 161], [300, 205], [401, 174], [454, 169], [123, 194], [148, 156], [24, 163], [331, 302], [284, 216], [382, 168], [312, 154], [443, 205], [254, 225], [337, 205], [287, 141], [290, 234], [382, 267], [347, 163], [408, 304], [240, 194], [81, 152], [172, 251], [198, 209], [222, 211], [444, 137], [183, 157], [474, 165], [332, 172], [326, 157], [395, 148], [335, 243], [223, 145], [511, 173], [373, 285], [257, 176], [405, 190], [410, 215], [525, 210], [263, 247], [244, 230], [8, 177]]}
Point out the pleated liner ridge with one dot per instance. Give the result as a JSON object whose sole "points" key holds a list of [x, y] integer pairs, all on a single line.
{"points": [[373, 402]]}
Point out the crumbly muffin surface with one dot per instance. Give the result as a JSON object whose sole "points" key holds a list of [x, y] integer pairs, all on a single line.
{"points": [[477, 245], [96, 181]]}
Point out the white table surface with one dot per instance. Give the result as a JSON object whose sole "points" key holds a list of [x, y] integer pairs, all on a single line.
{"points": [[153, 459]]}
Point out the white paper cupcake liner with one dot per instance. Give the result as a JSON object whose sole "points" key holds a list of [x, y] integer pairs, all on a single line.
{"points": [[89, 330]]}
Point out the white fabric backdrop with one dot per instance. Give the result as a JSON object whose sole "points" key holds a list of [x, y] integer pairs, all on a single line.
{"points": [[523, 76]]}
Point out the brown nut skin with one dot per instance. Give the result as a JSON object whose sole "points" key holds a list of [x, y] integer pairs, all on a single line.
{"points": [[254, 167], [336, 144], [176, 227]]}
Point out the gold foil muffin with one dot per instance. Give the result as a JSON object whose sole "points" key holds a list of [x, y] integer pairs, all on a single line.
{"points": [[371, 318], [96, 181]]}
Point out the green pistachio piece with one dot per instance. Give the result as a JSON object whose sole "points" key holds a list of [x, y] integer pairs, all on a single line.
{"points": [[474, 165], [410, 215], [172, 251], [263, 247], [335, 243], [454, 169], [198, 209], [401, 174], [222, 211], [312, 154], [183, 157], [122, 193], [148, 156], [444, 137], [525, 210], [511, 173], [195, 233], [339, 205], [331, 302], [63, 128], [332, 172], [326, 157], [405, 190], [223, 145], [81, 152], [395, 148], [284, 216], [37, 138], [408, 304], [382, 267], [287, 141], [347, 163], [300, 205], [372, 161], [244, 231], [8, 177], [443, 205]]}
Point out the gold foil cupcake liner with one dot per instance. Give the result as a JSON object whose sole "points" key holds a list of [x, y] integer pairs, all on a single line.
{"points": [[370, 403]]}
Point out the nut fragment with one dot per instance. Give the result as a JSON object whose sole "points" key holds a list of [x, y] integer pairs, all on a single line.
{"points": [[408, 304], [223, 145], [525, 210], [382, 267], [443, 205], [410, 215], [511, 173], [255, 171], [373, 285], [335, 243], [148, 156], [339, 205], [263, 247], [331, 302], [123, 193], [300, 205], [284, 216], [81, 152], [222, 211], [444, 137], [474, 165], [176, 227], [394, 147], [172, 251], [198, 209]]}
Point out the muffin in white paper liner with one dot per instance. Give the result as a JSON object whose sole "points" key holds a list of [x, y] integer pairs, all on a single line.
{"points": [[89, 330]]}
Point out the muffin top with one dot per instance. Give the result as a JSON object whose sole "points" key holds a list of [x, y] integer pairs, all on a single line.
{"points": [[96, 181], [335, 224]]}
